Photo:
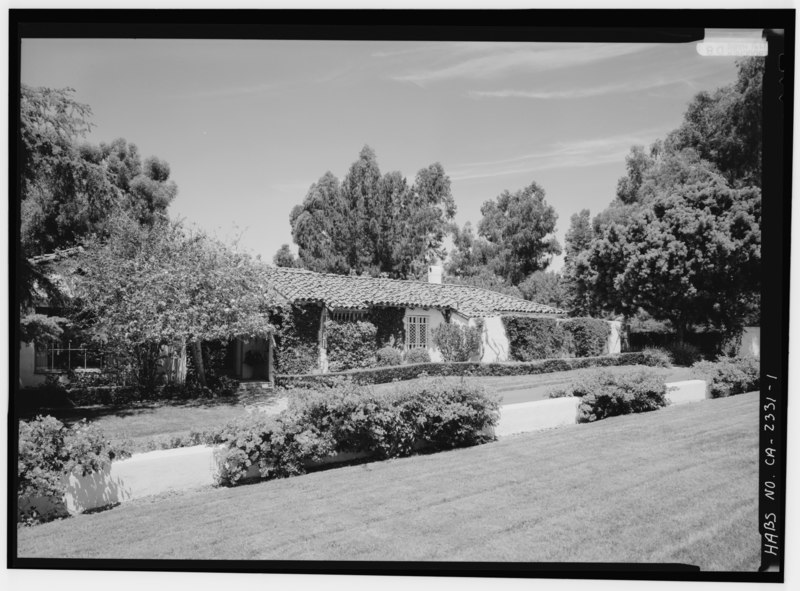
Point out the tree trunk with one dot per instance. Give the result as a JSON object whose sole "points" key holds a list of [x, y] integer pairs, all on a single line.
{"points": [[180, 374], [197, 356]]}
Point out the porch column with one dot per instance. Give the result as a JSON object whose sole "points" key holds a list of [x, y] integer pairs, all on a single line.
{"points": [[322, 344]]}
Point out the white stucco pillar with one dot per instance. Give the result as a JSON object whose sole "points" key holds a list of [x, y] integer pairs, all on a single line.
{"points": [[615, 337]]}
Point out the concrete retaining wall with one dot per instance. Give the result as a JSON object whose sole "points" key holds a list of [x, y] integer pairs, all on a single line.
{"points": [[686, 391], [540, 414], [184, 468]]}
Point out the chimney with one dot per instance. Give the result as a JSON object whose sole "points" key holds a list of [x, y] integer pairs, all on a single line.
{"points": [[435, 274]]}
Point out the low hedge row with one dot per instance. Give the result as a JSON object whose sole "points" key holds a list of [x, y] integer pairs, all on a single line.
{"points": [[384, 375], [350, 418]]}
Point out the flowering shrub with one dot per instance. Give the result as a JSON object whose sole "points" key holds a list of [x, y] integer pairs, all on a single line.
{"points": [[351, 418], [605, 394], [456, 342], [659, 357], [389, 356], [729, 375], [418, 355], [48, 451]]}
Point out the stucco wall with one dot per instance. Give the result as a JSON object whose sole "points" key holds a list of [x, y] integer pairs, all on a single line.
{"points": [[751, 342], [27, 362], [494, 340], [435, 318], [615, 337]]}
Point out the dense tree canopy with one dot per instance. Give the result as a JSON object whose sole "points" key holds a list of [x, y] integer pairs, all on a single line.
{"points": [[145, 287], [69, 189], [372, 223], [681, 240], [284, 257], [693, 257], [515, 238], [545, 287]]}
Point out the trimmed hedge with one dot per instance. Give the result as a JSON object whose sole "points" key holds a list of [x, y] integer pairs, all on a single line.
{"points": [[589, 336], [384, 375], [604, 394], [546, 338], [349, 418], [536, 338], [388, 356]]}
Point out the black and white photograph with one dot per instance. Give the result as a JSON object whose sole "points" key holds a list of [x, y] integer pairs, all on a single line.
{"points": [[502, 294]]}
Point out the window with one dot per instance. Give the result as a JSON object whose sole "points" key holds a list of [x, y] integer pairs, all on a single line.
{"points": [[416, 332], [347, 315], [65, 356]]}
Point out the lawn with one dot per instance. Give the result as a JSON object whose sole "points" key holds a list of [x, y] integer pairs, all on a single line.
{"points": [[513, 389], [145, 424], [676, 485]]}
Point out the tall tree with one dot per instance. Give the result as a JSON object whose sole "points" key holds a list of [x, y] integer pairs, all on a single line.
{"points": [[70, 189], [373, 223], [284, 257], [724, 127], [693, 257], [520, 226], [545, 287]]}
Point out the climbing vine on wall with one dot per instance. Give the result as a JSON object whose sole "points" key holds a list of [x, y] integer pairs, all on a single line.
{"points": [[296, 336], [390, 328]]}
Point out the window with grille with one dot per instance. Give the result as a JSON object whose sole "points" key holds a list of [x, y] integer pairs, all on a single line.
{"points": [[417, 332], [66, 356], [348, 315]]}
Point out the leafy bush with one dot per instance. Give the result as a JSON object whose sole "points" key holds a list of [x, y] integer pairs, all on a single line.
{"points": [[48, 451], [659, 357], [350, 344], [456, 342], [684, 353], [385, 375], [418, 355], [536, 338], [351, 418], [730, 375], [389, 356], [605, 394], [589, 336], [279, 446]]}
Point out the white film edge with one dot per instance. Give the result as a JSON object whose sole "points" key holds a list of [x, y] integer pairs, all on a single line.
{"points": [[736, 42]]}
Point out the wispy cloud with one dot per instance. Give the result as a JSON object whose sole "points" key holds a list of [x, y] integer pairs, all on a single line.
{"points": [[570, 154], [498, 60], [588, 91]]}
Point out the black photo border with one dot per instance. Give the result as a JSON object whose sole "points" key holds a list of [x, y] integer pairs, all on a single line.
{"points": [[639, 26]]}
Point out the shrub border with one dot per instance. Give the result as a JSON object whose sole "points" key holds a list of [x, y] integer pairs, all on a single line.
{"points": [[384, 375]]}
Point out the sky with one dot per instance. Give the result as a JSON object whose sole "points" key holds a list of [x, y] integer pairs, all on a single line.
{"points": [[248, 126]]}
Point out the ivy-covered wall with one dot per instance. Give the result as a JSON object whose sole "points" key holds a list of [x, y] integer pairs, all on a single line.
{"points": [[389, 325], [351, 345], [296, 338], [548, 338]]}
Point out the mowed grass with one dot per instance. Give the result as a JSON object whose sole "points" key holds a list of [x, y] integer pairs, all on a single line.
{"points": [[514, 389], [143, 423], [675, 485], [139, 424]]}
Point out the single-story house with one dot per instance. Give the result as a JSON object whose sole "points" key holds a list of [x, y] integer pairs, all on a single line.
{"points": [[425, 305]]}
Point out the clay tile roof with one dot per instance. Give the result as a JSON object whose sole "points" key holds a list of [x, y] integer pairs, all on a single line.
{"points": [[358, 293]]}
